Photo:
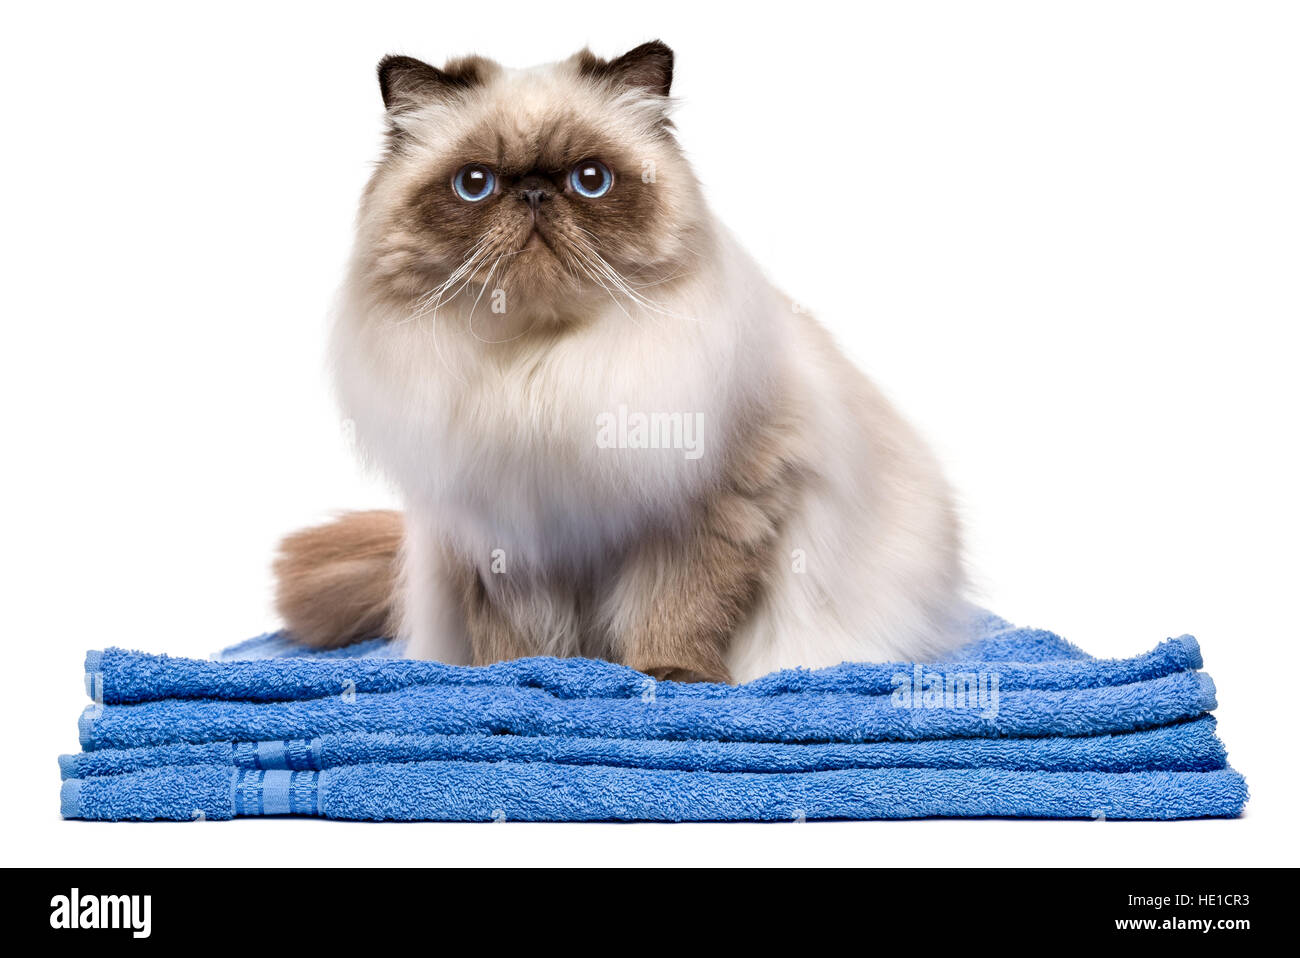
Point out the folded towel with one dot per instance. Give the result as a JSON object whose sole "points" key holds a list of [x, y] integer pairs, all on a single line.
{"points": [[728, 715], [1018, 723], [542, 791], [117, 676], [1187, 746]]}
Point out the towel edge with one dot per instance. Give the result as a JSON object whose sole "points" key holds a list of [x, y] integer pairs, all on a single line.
{"points": [[70, 798]]}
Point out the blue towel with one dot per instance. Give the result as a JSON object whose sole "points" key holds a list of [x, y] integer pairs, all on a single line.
{"points": [[1186, 746], [543, 791], [728, 715], [117, 676], [1018, 722]]}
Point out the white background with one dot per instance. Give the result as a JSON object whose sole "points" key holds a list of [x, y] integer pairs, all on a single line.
{"points": [[1063, 237]]}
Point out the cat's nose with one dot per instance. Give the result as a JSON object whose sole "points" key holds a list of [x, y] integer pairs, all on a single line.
{"points": [[535, 190]]}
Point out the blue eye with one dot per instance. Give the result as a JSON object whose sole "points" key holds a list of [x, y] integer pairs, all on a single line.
{"points": [[474, 182], [591, 178]]}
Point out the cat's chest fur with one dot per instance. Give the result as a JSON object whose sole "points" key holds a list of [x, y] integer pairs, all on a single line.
{"points": [[551, 452]]}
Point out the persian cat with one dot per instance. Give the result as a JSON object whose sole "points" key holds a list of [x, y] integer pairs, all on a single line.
{"points": [[613, 437]]}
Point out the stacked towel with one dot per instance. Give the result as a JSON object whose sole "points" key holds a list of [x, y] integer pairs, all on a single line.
{"points": [[1018, 723]]}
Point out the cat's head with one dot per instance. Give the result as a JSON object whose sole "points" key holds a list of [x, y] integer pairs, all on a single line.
{"points": [[548, 188]]}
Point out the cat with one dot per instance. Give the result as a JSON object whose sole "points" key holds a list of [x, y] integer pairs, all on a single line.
{"points": [[612, 436]]}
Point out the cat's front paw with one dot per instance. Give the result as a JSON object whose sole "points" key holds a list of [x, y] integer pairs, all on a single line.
{"points": [[672, 673]]}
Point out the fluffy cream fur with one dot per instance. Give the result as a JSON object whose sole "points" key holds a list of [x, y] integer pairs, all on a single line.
{"points": [[492, 443]]}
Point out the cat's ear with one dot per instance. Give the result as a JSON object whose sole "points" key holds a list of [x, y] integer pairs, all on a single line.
{"points": [[648, 67], [407, 83]]}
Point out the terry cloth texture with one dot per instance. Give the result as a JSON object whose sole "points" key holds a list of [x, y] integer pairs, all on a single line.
{"points": [[1018, 723]]}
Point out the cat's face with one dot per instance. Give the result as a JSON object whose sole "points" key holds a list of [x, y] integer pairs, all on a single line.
{"points": [[536, 192]]}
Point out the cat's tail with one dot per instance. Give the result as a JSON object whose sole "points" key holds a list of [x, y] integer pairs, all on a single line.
{"points": [[337, 583]]}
